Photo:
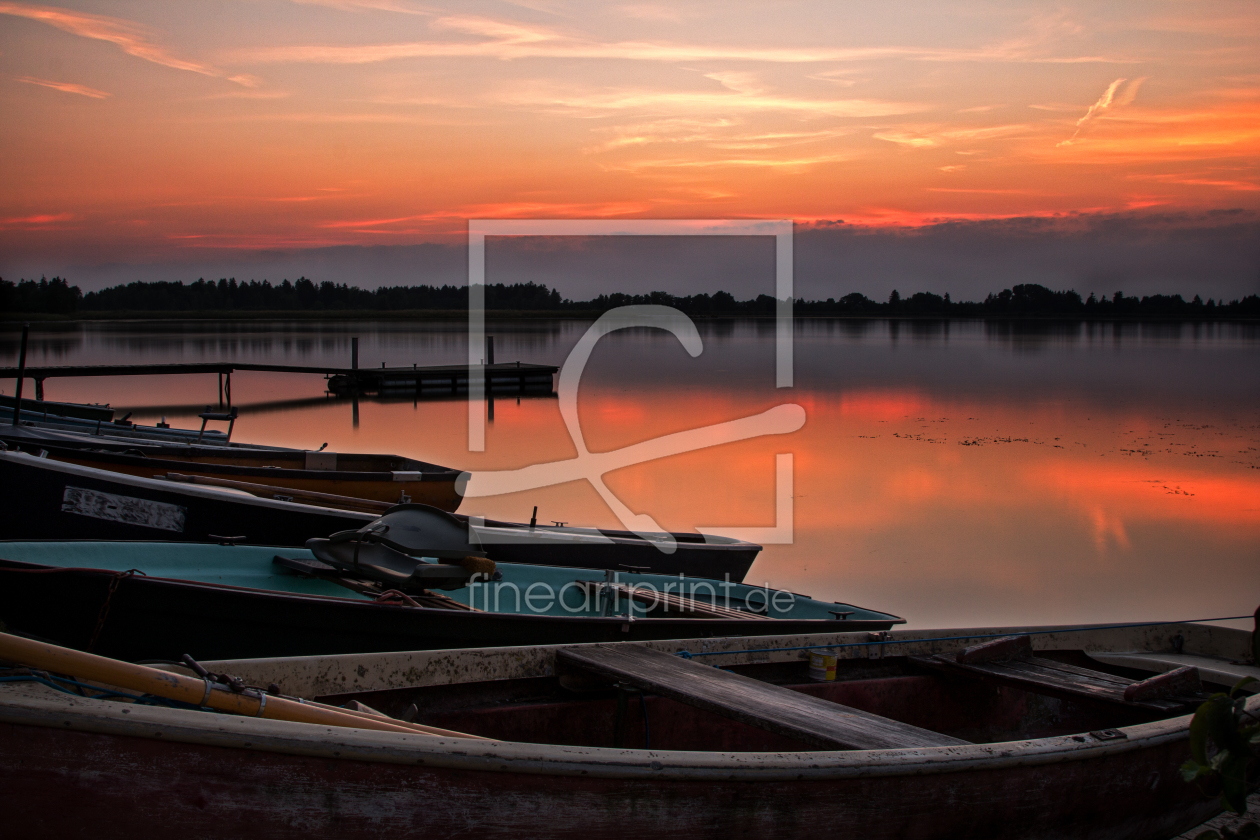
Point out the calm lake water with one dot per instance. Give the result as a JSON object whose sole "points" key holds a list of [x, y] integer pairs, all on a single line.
{"points": [[953, 473]]}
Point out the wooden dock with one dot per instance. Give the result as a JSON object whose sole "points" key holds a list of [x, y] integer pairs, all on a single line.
{"points": [[504, 377]]}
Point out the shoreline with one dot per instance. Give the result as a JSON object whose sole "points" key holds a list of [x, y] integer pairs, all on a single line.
{"points": [[572, 315]]}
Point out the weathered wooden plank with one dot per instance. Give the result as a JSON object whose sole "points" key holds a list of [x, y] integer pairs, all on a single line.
{"points": [[1057, 670], [1008, 648], [1180, 681], [1012, 650], [1046, 676], [776, 709]]}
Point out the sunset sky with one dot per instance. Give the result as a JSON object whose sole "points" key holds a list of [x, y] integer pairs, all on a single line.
{"points": [[155, 140]]}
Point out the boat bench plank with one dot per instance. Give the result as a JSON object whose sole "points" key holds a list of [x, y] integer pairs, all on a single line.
{"points": [[1013, 663], [809, 719]]}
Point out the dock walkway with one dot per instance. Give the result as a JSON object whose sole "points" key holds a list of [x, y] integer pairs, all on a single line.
{"points": [[430, 379]]}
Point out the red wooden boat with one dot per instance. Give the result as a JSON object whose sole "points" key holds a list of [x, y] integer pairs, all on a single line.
{"points": [[986, 733]]}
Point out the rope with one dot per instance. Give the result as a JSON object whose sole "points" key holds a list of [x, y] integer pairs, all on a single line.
{"points": [[109, 598], [393, 597], [51, 681], [689, 655]]}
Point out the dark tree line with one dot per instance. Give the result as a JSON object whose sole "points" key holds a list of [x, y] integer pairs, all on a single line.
{"points": [[303, 295], [54, 296], [1030, 299]]}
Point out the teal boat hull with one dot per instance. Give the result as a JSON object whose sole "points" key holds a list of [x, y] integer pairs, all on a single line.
{"points": [[234, 602]]}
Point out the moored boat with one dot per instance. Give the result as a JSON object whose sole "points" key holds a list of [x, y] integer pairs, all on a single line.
{"points": [[969, 753], [161, 600], [379, 478], [100, 421], [63, 501]]}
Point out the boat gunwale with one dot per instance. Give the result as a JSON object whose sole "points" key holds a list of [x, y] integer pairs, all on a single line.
{"points": [[436, 472], [572, 533], [204, 491]]}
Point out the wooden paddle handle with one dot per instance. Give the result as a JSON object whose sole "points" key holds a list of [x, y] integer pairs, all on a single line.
{"points": [[194, 690], [271, 491]]}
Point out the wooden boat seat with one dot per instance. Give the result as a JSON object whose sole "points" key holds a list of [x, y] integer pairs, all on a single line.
{"points": [[1010, 661], [668, 601], [803, 717]]}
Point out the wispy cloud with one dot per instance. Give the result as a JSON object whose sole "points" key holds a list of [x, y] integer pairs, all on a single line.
{"points": [[659, 12], [1105, 103], [803, 162], [370, 6], [719, 134], [988, 132], [903, 139], [65, 87], [500, 210], [131, 38], [728, 101], [38, 221], [506, 40]]}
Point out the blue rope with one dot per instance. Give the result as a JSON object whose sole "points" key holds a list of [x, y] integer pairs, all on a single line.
{"points": [[689, 655], [143, 699]]}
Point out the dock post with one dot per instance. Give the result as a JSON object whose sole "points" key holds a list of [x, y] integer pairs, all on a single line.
{"points": [[489, 349], [17, 403], [354, 353], [39, 390], [228, 389], [220, 389]]}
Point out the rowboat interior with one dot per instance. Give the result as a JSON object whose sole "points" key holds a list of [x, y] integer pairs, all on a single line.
{"points": [[886, 690], [998, 732], [884, 695]]}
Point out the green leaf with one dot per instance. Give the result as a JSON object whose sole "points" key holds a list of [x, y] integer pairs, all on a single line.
{"points": [[1199, 734], [1191, 770], [1222, 724], [1233, 692], [1234, 782]]}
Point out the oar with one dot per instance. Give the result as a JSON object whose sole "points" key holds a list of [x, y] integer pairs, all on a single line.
{"points": [[268, 490], [196, 691]]}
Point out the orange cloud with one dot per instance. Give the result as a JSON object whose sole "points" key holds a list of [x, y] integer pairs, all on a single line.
{"points": [[129, 37], [38, 221], [65, 87]]}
